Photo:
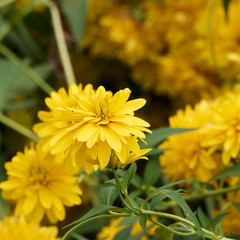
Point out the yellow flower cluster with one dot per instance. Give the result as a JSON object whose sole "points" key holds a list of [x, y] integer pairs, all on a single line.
{"points": [[216, 139], [15, 228], [151, 38], [91, 126], [40, 185], [109, 232]]}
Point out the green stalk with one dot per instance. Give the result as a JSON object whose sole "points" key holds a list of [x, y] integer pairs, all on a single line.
{"points": [[26, 69], [176, 218], [4, 3], [172, 230], [18, 127], [61, 43]]}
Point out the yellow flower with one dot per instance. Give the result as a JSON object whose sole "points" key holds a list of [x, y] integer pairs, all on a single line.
{"points": [[109, 232], [40, 185], [90, 125], [223, 130], [186, 152], [15, 228], [130, 153]]}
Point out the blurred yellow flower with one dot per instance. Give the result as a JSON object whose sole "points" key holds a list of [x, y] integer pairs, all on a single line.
{"points": [[109, 232], [15, 228], [185, 151], [223, 130], [40, 185], [90, 125]]}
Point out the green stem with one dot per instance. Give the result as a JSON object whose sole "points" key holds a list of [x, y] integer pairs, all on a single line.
{"points": [[68, 233], [172, 230], [17, 17], [26, 69], [61, 43], [19, 128], [4, 3], [176, 218], [212, 45]]}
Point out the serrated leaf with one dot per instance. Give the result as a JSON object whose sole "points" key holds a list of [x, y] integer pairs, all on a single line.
{"points": [[128, 175], [163, 234], [160, 134], [228, 172], [75, 12], [143, 223], [152, 171], [204, 220], [186, 209]]}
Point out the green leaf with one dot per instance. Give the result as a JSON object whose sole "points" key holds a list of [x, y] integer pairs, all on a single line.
{"points": [[108, 195], [156, 201], [186, 209], [160, 134], [75, 12], [152, 171], [155, 152], [163, 234], [13, 83], [143, 223], [128, 175], [218, 218], [204, 220], [160, 189], [124, 234], [228, 172]]}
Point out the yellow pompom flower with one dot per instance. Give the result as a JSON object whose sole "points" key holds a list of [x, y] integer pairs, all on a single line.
{"points": [[223, 130], [90, 125], [40, 185], [186, 152], [16, 228]]}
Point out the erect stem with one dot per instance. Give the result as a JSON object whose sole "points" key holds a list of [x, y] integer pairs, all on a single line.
{"points": [[61, 43], [18, 127]]}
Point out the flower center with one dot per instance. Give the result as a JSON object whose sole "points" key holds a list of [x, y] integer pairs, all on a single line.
{"points": [[38, 175]]}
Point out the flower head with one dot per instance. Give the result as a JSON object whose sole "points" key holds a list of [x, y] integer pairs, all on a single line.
{"points": [[90, 125], [223, 131], [186, 152], [40, 185], [14, 228]]}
